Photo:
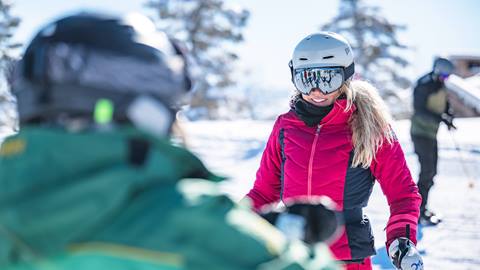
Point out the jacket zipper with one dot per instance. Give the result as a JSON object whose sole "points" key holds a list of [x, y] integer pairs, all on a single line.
{"points": [[310, 163]]}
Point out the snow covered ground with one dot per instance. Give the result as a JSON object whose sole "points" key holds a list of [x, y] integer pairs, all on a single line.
{"points": [[233, 148]]}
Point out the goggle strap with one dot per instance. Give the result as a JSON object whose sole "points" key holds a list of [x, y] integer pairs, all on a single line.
{"points": [[292, 73], [349, 71]]}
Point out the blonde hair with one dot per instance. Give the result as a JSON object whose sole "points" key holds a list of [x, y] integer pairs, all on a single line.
{"points": [[370, 123]]}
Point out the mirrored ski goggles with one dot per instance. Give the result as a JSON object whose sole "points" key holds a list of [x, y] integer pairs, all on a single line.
{"points": [[326, 79], [444, 76]]}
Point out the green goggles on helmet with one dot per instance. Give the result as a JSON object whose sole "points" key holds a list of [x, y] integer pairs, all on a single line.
{"points": [[325, 79]]}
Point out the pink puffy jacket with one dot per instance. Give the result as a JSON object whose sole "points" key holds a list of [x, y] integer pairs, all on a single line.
{"points": [[301, 160]]}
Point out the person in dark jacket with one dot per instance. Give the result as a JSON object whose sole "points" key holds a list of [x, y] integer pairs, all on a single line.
{"points": [[430, 108], [336, 141], [91, 181]]}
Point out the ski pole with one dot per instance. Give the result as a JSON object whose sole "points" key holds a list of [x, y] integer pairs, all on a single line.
{"points": [[471, 183]]}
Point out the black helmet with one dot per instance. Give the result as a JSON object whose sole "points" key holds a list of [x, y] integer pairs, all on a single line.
{"points": [[78, 60], [442, 66]]}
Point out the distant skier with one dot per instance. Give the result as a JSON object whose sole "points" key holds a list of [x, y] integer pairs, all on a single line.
{"points": [[91, 181], [335, 141], [430, 108]]}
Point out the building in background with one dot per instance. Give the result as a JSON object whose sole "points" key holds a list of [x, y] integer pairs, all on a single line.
{"points": [[466, 65], [464, 90]]}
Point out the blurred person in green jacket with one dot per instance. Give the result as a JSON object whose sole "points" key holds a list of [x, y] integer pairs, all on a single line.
{"points": [[91, 181], [431, 107]]}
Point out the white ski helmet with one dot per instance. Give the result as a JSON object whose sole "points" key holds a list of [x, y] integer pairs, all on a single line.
{"points": [[321, 50]]}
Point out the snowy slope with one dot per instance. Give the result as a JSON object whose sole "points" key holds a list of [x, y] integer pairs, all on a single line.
{"points": [[234, 148]]}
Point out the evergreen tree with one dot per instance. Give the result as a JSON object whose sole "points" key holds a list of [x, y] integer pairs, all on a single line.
{"points": [[8, 24], [375, 44], [208, 28]]}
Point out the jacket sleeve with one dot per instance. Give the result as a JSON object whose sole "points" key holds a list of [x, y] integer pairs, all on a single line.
{"points": [[266, 188], [391, 171]]}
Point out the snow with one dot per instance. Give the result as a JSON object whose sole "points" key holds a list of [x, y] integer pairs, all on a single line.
{"points": [[234, 149]]}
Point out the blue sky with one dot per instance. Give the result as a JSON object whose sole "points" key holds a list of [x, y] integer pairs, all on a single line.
{"points": [[433, 28]]}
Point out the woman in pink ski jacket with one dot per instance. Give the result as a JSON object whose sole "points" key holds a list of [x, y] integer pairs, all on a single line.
{"points": [[336, 141]]}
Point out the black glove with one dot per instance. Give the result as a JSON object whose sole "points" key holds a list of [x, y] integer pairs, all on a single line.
{"points": [[447, 119], [310, 221]]}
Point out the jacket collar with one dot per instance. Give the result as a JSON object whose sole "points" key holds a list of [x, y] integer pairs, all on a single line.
{"points": [[337, 116]]}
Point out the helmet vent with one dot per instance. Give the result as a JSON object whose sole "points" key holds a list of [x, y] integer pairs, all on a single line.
{"points": [[303, 59], [327, 57]]}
